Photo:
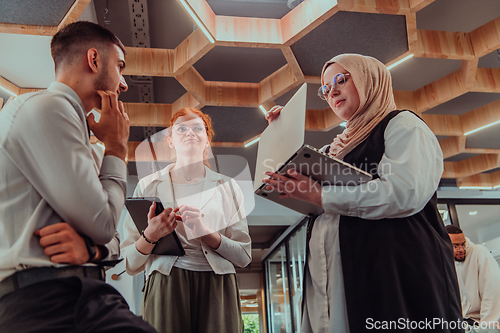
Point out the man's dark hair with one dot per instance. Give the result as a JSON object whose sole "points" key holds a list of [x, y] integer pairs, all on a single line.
{"points": [[78, 37], [453, 229]]}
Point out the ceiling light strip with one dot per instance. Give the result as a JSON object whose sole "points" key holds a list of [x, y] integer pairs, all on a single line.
{"points": [[198, 22], [482, 127], [475, 187], [495, 187], [400, 61], [8, 91], [262, 109], [252, 142]]}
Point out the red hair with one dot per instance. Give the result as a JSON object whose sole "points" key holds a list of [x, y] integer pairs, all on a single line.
{"points": [[206, 119]]}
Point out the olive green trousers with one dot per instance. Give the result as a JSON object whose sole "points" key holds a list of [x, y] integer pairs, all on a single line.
{"points": [[192, 302]]}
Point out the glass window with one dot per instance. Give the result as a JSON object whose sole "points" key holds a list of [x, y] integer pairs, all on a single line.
{"points": [[481, 224], [277, 292], [445, 213], [297, 248]]}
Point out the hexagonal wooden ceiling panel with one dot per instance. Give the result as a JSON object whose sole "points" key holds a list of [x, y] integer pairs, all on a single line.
{"points": [[453, 79]]}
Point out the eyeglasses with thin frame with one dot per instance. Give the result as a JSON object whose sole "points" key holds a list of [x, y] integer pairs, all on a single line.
{"points": [[183, 129], [338, 82]]}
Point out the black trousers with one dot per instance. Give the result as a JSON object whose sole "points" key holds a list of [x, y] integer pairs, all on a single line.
{"points": [[68, 305]]}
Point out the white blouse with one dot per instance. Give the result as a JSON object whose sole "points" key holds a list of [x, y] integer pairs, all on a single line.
{"points": [[221, 201]]}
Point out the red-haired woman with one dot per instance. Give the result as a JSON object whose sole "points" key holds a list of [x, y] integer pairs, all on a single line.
{"points": [[196, 292]]}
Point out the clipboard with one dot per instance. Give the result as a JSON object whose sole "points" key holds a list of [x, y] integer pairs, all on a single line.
{"points": [[138, 209]]}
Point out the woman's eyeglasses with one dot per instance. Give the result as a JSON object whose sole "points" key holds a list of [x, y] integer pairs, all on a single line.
{"points": [[338, 82], [183, 129]]}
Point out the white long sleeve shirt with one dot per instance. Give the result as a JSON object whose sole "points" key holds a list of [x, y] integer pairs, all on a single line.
{"points": [[218, 204], [409, 171], [479, 279], [48, 175]]}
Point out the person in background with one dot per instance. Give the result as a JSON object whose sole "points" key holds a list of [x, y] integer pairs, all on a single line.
{"points": [[197, 292], [479, 278], [379, 253], [48, 175]]}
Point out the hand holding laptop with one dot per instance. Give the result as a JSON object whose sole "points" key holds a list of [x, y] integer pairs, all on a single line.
{"points": [[294, 186], [273, 113]]}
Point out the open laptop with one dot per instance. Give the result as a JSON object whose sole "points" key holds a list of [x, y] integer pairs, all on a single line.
{"points": [[282, 147]]}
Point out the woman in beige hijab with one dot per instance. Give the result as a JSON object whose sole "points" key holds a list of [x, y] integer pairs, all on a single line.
{"points": [[379, 256]]}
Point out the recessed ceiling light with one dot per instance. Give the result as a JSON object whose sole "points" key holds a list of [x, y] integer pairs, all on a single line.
{"points": [[473, 212]]}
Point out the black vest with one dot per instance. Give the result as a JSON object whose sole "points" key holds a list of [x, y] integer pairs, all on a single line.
{"points": [[396, 268]]}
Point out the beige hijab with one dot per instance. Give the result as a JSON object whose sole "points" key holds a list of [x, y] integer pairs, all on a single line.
{"points": [[376, 99]]}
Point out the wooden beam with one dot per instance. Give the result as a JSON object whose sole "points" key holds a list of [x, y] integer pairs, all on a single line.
{"points": [[232, 94], [416, 5], [405, 100], [194, 83], [321, 120], [412, 32], [192, 49], [306, 17], [312, 79], [444, 44], [480, 117], [239, 94], [487, 80], [393, 7], [150, 62], [469, 70], [481, 180], [442, 90], [443, 124], [22, 29], [9, 86], [452, 146], [186, 101], [1, 103], [486, 38], [148, 114], [248, 32], [470, 166], [277, 84], [292, 62], [204, 13], [71, 16], [73, 13]]}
